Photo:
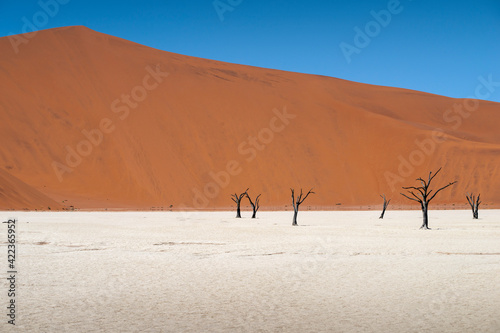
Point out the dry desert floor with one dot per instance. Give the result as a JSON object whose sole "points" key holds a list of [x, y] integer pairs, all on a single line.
{"points": [[210, 272]]}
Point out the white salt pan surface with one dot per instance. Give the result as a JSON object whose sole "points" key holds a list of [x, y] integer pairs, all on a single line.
{"points": [[210, 272]]}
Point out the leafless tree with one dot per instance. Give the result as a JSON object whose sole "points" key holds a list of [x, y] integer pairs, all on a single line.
{"points": [[424, 195], [386, 203], [474, 204], [237, 199], [296, 203], [255, 205]]}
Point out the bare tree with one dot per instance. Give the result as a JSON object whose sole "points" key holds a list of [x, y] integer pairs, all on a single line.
{"points": [[386, 203], [474, 204], [425, 195], [296, 203], [237, 199], [255, 205]]}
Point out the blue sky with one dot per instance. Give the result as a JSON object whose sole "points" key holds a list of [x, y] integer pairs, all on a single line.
{"points": [[440, 47]]}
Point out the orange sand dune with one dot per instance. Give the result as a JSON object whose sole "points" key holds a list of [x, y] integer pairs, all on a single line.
{"points": [[14, 194], [106, 123]]}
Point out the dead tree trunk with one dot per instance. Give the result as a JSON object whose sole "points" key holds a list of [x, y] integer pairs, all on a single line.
{"points": [[425, 216], [474, 204], [296, 203], [237, 199], [425, 196], [295, 212], [386, 203], [255, 205]]}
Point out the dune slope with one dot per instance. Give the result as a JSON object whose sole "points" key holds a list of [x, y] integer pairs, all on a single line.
{"points": [[103, 122], [15, 194]]}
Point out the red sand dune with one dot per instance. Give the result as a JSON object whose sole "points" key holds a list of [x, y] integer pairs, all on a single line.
{"points": [[15, 194], [95, 120]]}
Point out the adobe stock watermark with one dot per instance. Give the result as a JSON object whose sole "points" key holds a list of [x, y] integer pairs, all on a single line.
{"points": [[222, 6], [48, 9], [437, 306], [248, 149], [453, 116], [373, 28], [316, 259], [314, 262], [121, 106]]}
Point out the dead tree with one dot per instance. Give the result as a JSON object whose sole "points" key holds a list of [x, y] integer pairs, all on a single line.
{"points": [[386, 203], [255, 205], [474, 204], [237, 199], [425, 196], [296, 203]]}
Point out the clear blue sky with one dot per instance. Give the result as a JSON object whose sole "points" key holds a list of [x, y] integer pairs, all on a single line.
{"points": [[440, 47]]}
